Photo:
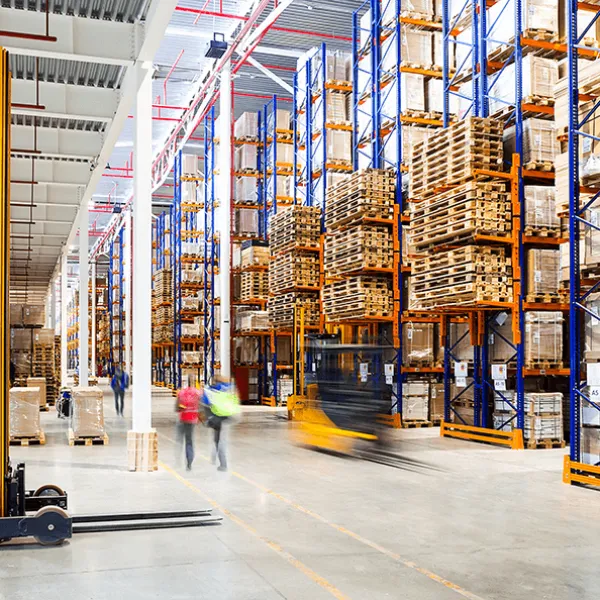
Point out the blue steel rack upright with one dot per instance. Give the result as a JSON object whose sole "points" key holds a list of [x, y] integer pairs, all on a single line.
{"points": [[272, 199], [115, 300], [379, 118], [582, 198], [210, 250]]}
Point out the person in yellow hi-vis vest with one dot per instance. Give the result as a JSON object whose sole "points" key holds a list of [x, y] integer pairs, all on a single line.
{"points": [[222, 406]]}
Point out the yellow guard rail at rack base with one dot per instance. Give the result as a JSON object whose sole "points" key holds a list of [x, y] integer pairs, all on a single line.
{"points": [[575, 472], [512, 439]]}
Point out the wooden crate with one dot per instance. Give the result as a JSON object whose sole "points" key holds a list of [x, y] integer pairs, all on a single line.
{"points": [[294, 227], [461, 214], [294, 270], [452, 155], [358, 298], [358, 248]]}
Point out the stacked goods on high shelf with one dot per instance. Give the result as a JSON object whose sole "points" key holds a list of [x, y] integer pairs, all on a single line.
{"points": [[543, 417], [162, 303], [418, 344], [57, 358], [104, 338], [43, 363], [462, 216], [295, 237], [25, 416], [540, 146], [543, 276], [25, 321], [254, 266], [541, 219], [544, 339], [359, 250], [87, 424]]}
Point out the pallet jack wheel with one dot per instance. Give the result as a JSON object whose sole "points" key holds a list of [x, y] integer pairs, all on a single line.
{"points": [[49, 490], [51, 518]]}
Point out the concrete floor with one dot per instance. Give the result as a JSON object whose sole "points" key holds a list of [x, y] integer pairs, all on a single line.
{"points": [[457, 520]]}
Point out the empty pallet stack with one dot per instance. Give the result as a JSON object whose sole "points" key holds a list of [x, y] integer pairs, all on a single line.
{"points": [[294, 273], [451, 208], [359, 248]]}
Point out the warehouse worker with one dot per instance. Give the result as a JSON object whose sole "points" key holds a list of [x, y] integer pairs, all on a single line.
{"points": [[222, 406], [188, 406], [119, 383]]}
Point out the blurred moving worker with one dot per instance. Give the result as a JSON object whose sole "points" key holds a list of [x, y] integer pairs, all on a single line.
{"points": [[222, 406], [188, 406], [119, 383]]}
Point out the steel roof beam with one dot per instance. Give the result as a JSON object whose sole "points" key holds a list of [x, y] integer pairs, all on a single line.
{"points": [[79, 39]]}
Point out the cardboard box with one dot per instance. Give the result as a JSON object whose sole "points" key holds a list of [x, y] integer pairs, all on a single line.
{"points": [[418, 344], [88, 412], [543, 271], [255, 254], [40, 384], [543, 428], [543, 403], [142, 451], [246, 158], [543, 337], [592, 329], [590, 445], [415, 408], [436, 402], [24, 412], [246, 190], [540, 208], [416, 47], [34, 314], [246, 221], [539, 142], [246, 126], [500, 339]]}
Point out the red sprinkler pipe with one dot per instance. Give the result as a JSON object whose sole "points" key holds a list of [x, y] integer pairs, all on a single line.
{"points": [[223, 15], [169, 75]]}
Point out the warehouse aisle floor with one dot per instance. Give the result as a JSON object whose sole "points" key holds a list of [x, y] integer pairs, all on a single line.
{"points": [[457, 520]]}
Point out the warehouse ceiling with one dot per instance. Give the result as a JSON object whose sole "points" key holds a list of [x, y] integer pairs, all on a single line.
{"points": [[72, 132]]}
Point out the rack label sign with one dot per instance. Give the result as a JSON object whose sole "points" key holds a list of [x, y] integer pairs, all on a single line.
{"points": [[461, 369], [499, 372]]}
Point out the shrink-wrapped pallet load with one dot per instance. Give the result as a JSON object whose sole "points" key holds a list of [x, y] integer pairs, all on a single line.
{"points": [[540, 146], [40, 384], [415, 401], [25, 413], [418, 344], [543, 275], [540, 211], [436, 402], [88, 413], [543, 339]]}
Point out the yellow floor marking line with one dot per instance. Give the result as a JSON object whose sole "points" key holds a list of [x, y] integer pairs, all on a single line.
{"points": [[292, 560], [359, 538]]}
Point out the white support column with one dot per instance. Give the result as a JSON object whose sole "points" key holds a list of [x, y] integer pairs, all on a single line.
{"points": [[224, 221], [142, 256], [63, 319], [127, 289], [93, 361], [84, 274]]}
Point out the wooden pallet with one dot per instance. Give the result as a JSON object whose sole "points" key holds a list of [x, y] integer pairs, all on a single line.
{"points": [[548, 298], [544, 444], [535, 231], [539, 165], [543, 364], [87, 440], [416, 423], [25, 440]]}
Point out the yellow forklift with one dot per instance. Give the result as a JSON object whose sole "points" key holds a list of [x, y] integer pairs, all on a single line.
{"points": [[338, 398]]}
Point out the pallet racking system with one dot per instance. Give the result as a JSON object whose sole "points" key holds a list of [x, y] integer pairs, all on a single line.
{"points": [[489, 51], [115, 301], [583, 197]]}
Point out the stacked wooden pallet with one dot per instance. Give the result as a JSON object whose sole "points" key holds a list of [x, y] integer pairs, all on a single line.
{"points": [[461, 214], [453, 155], [254, 285], [163, 287], [467, 277], [358, 297], [281, 309], [360, 247], [294, 272], [454, 209]]}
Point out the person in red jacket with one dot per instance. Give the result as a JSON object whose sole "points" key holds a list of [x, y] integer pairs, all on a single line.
{"points": [[188, 405]]}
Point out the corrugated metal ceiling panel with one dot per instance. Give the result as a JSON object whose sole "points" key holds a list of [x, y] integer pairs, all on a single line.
{"points": [[109, 10]]}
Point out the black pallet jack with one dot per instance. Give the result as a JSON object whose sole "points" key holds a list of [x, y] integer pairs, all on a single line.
{"points": [[42, 514]]}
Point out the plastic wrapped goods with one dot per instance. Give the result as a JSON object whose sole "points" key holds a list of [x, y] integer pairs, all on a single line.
{"points": [[246, 190], [24, 412], [418, 344], [590, 445], [417, 47], [88, 412], [543, 338], [543, 272], [246, 221], [40, 384], [436, 402], [246, 158], [539, 142], [415, 401], [540, 210], [246, 126], [592, 329]]}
